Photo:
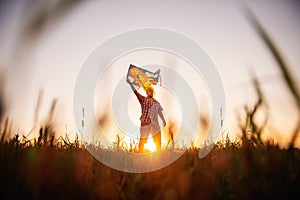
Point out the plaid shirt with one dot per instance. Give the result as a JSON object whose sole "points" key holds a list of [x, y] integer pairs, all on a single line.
{"points": [[150, 108]]}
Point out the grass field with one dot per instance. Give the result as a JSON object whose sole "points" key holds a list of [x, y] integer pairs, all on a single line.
{"points": [[65, 170]]}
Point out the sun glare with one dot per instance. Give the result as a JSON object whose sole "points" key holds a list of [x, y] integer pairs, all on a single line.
{"points": [[150, 145]]}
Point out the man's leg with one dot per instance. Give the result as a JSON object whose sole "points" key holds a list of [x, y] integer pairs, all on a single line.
{"points": [[157, 140], [144, 132]]}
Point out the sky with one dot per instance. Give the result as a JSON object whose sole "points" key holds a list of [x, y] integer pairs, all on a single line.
{"points": [[45, 45]]}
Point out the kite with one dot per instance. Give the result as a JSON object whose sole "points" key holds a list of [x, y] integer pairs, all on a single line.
{"points": [[142, 78]]}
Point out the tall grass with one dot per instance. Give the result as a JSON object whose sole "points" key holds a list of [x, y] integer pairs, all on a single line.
{"points": [[286, 74], [65, 170]]}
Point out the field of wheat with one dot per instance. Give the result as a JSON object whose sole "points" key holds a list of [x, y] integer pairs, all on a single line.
{"points": [[63, 169]]}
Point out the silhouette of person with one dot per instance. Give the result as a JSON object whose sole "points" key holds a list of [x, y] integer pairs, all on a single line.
{"points": [[151, 109]]}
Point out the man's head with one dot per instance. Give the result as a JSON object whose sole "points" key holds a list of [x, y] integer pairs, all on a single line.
{"points": [[149, 92]]}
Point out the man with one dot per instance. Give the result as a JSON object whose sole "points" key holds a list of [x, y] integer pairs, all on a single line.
{"points": [[151, 109]]}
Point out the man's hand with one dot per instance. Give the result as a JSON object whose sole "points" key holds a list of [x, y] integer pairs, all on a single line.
{"points": [[132, 88], [164, 123]]}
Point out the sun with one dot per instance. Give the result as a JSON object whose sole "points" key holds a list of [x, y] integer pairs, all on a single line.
{"points": [[150, 145]]}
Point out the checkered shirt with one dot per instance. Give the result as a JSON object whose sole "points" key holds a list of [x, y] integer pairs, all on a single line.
{"points": [[150, 108]]}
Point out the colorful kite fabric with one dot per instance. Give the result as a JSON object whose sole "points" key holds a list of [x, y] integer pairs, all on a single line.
{"points": [[142, 78]]}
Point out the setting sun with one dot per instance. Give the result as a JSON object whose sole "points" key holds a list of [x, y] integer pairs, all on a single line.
{"points": [[150, 145]]}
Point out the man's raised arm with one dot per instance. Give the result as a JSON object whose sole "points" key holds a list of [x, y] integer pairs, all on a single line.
{"points": [[138, 95]]}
